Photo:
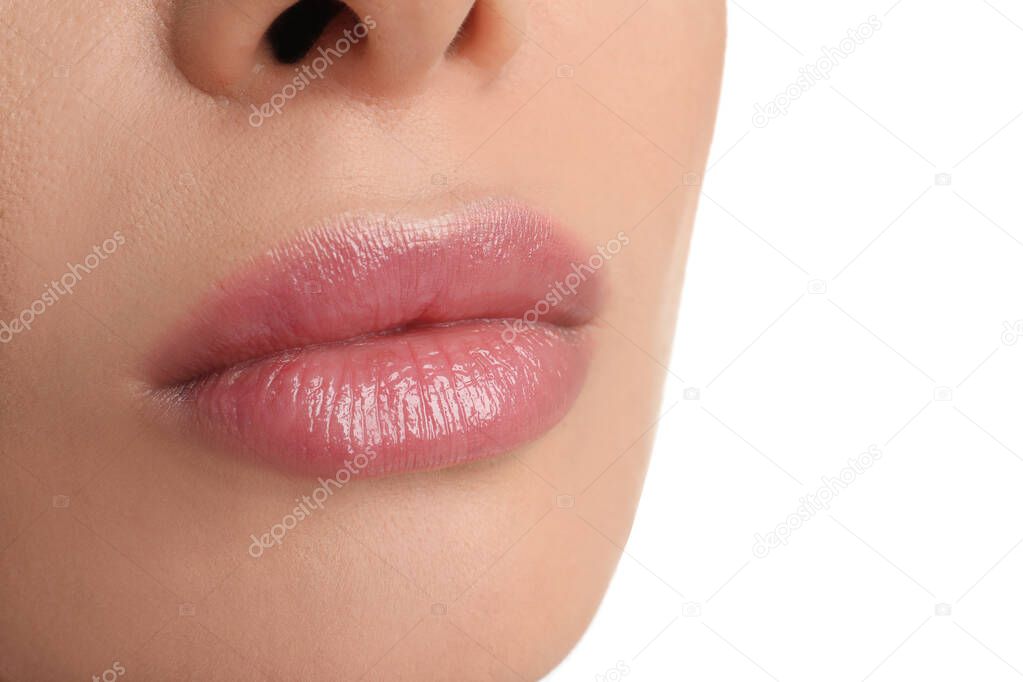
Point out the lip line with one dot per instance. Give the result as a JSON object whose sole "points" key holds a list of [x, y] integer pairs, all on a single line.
{"points": [[181, 386]]}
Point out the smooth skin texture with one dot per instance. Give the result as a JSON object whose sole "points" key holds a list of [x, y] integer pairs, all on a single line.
{"points": [[128, 147]]}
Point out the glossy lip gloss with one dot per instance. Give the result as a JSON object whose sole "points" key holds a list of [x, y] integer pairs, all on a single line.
{"points": [[400, 345]]}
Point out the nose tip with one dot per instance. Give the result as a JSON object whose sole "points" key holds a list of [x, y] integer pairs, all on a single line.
{"points": [[378, 47]]}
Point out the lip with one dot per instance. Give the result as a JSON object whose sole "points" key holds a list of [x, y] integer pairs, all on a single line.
{"points": [[378, 345]]}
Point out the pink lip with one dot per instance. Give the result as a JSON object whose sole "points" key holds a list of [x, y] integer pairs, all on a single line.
{"points": [[381, 346]]}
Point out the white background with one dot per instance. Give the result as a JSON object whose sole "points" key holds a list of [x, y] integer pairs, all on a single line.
{"points": [[906, 349]]}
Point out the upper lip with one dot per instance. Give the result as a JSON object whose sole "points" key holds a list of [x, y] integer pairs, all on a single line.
{"points": [[356, 275]]}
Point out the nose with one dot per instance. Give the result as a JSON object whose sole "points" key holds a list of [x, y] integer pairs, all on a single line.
{"points": [[374, 46]]}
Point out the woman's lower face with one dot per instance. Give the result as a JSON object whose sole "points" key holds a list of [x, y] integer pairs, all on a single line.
{"points": [[343, 368]]}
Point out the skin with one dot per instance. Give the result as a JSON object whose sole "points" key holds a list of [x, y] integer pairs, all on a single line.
{"points": [[122, 541]]}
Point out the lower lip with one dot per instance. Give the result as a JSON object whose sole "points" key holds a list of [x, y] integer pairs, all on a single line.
{"points": [[418, 400]]}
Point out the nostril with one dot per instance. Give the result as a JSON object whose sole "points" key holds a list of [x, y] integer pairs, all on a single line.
{"points": [[298, 28], [464, 31], [244, 48]]}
